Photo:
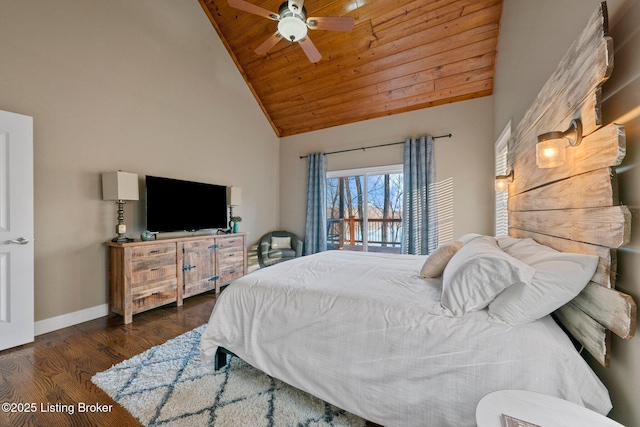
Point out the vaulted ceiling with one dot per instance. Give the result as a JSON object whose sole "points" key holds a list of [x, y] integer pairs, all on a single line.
{"points": [[401, 55]]}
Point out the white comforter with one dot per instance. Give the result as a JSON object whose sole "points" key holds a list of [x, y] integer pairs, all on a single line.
{"points": [[354, 329]]}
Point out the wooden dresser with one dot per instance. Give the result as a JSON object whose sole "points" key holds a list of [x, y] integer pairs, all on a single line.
{"points": [[146, 275]]}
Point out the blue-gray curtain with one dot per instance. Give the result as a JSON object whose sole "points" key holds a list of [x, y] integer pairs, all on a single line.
{"points": [[315, 234], [419, 218]]}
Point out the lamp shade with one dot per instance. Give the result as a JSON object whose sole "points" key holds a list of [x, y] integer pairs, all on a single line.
{"points": [[120, 186], [550, 149], [550, 153], [501, 185], [503, 181], [234, 196], [292, 29]]}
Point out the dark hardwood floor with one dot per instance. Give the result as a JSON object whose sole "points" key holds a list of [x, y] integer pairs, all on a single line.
{"points": [[57, 368]]}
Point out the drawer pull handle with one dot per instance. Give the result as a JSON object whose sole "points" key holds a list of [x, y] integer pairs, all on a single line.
{"points": [[188, 267], [155, 269], [156, 293], [214, 246], [154, 252], [213, 279]]}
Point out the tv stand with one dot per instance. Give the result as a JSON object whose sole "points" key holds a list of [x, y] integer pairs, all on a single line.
{"points": [[147, 274]]}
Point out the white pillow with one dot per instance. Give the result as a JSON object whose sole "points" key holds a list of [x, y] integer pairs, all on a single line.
{"points": [[280, 242], [478, 272], [560, 276], [505, 242], [438, 259], [466, 238]]}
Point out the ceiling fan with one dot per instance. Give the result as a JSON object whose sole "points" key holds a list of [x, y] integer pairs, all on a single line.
{"points": [[293, 24]]}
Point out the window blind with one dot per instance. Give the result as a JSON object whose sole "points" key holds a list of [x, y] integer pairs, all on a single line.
{"points": [[501, 151], [502, 218], [443, 191]]}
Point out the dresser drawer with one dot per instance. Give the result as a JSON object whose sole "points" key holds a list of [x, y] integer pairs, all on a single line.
{"points": [[146, 251], [153, 268], [230, 255], [153, 295], [229, 273], [228, 242]]}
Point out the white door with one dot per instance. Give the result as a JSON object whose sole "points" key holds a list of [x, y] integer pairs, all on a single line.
{"points": [[16, 229]]}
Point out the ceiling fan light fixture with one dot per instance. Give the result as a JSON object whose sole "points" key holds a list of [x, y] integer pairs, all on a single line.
{"points": [[292, 28], [293, 25]]}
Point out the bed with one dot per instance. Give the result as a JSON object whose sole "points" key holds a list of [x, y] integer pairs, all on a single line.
{"points": [[357, 330]]}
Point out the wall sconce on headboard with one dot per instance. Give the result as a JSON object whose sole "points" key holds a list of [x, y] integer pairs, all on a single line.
{"points": [[503, 181], [550, 149]]}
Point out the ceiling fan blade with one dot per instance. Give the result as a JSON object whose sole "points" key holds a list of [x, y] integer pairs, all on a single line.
{"points": [[268, 44], [252, 8], [310, 50], [335, 23]]}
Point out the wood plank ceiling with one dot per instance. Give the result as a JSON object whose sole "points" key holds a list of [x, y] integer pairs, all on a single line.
{"points": [[401, 55]]}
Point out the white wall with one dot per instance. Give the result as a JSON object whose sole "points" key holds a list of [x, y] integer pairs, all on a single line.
{"points": [[533, 38], [144, 86], [467, 157]]}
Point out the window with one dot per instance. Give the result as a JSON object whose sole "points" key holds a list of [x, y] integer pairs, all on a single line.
{"points": [[501, 150], [378, 228], [364, 209]]}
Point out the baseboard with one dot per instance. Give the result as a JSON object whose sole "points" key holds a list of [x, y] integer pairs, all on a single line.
{"points": [[70, 319]]}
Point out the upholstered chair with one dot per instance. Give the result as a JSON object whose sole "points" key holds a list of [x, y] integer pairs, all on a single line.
{"points": [[279, 246]]}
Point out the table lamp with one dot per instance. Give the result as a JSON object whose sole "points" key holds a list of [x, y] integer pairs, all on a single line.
{"points": [[234, 198], [120, 186]]}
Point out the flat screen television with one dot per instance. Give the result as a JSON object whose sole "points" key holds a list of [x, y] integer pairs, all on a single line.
{"points": [[176, 205]]}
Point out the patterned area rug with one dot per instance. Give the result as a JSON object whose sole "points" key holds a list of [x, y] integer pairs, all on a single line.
{"points": [[169, 386]]}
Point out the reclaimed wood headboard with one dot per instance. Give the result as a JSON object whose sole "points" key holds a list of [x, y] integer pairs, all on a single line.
{"points": [[575, 207]]}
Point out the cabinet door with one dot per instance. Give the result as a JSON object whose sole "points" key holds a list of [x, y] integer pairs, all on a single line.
{"points": [[198, 266]]}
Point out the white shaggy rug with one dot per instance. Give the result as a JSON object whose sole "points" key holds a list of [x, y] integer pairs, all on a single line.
{"points": [[168, 385]]}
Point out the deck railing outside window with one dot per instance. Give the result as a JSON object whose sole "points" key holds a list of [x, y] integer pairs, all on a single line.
{"points": [[384, 235]]}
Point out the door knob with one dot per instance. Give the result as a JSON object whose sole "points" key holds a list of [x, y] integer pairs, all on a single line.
{"points": [[19, 241]]}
